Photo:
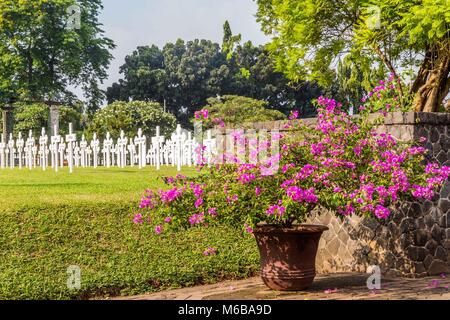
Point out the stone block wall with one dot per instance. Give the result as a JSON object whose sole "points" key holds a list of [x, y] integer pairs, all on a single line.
{"points": [[415, 240]]}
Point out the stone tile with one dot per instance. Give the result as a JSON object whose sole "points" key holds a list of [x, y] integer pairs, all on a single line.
{"points": [[345, 286]]}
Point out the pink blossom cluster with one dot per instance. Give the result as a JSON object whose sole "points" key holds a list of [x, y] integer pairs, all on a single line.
{"points": [[201, 114], [340, 163]]}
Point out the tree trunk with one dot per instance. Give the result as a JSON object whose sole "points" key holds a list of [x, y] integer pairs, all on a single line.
{"points": [[54, 119], [433, 82], [8, 122]]}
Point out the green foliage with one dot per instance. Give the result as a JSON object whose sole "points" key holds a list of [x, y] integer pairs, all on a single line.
{"points": [[129, 117], [184, 74], [355, 77], [230, 41], [36, 116], [237, 110], [340, 163], [308, 36], [40, 57], [52, 221]]}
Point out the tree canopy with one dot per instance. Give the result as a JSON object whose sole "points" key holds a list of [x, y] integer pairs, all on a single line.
{"points": [[308, 37], [185, 74], [232, 110], [129, 117], [35, 116], [41, 56]]}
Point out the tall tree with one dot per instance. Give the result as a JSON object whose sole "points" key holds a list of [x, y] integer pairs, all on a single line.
{"points": [[309, 36], [42, 55]]}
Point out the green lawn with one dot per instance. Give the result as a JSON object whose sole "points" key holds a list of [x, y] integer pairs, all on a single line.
{"points": [[49, 221]]}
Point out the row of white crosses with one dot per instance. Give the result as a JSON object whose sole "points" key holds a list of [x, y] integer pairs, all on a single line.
{"points": [[56, 151]]}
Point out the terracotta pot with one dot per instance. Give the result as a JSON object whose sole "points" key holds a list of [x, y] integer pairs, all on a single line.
{"points": [[288, 255]]}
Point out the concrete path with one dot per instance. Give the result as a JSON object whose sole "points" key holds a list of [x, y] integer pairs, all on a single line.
{"points": [[338, 286]]}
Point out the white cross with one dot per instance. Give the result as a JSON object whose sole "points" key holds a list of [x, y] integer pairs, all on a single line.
{"points": [[209, 147], [157, 141], [61, 152], [43, 149], [122, 149], [132, 152], [11, 151], [76, 155], [20, 143], [2, 154], [55, 141], [107, 144], [70, 139], [83, 149], [29, 150], [140, 141], [178, 137], [95, 148], [89, 154]]}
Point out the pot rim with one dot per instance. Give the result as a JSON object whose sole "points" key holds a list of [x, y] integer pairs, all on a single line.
{"points": [[296, 228]]}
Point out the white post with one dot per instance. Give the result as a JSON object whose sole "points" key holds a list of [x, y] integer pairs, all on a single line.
{"points": [[189, 147], [107, 149], [89, 154], [29, 157], [70, 138], [121, 144], [132, 152], [140, 141], [158, 165], [178, 146], [12, 151], [95, 148], [55, 140], [20, 144], [76, 154], [2, 153], [83, 151], [61, 151], [43, 150]]}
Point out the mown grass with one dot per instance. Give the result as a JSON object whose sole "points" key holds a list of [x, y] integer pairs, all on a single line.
{"points": [[50, 221]]}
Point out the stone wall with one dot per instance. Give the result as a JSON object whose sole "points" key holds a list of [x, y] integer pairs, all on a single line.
{"points": [[415, 240]]}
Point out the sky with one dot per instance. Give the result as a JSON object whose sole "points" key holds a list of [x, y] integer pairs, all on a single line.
{"points": [[132, 23]]}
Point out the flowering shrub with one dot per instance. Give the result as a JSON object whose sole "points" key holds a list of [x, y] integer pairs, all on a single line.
{"points": [[341, 163], [385, 97]]}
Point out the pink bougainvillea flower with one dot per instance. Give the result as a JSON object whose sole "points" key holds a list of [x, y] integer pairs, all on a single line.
{"points": [[219, 122], [293, 115], [212, 212], [248, 229], [138, 219], [201, 114], [168, 219], [277, 210], [158, 229], [246, 178], [232, 199], [210, 251], [329, 291], [197, 218], [257, 191], [198, 202], [382, 212], [434, 284]]}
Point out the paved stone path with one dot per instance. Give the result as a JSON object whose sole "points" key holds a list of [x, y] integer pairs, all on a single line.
{"points": [[337, 286]]}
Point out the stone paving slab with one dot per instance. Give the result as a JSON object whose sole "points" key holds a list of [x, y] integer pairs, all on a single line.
{"points": [[337, 286]]}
